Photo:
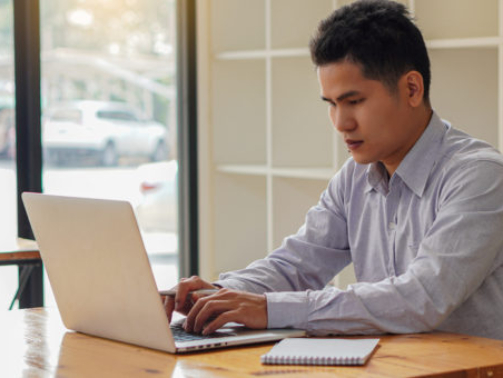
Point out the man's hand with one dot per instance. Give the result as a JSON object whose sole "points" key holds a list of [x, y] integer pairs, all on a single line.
{"points": [[181, 302], [211, 312]]}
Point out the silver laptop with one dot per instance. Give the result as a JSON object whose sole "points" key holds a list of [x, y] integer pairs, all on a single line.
{"points": [[102, 280]]}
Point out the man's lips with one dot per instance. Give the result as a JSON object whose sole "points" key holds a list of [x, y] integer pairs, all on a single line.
{"points": [[353, 144]]}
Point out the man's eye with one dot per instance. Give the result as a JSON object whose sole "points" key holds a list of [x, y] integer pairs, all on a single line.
{"points": [[355, 102]]}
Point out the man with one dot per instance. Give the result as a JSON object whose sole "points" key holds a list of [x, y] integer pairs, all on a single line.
{"points": [[418, 208]]}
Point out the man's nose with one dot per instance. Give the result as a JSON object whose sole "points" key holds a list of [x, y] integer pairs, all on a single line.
{"points": [[342, 121]]}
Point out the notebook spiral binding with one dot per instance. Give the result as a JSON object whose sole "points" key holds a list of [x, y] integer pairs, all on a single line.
{"points": [[302, 360]]}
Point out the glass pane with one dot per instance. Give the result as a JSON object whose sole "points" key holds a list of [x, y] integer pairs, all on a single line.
{"points": [[109, 112], [8, 203]]}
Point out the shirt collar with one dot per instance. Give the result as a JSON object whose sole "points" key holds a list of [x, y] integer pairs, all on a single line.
{"points": [[415, 168]]}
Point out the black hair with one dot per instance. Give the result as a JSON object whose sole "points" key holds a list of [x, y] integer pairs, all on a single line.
{"points": [[379, 35]]}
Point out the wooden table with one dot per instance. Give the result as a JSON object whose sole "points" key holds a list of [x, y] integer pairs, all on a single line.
{"points": [[34, 343], [19, 251], [24, 253]]}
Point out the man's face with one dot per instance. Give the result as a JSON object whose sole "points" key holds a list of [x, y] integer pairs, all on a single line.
{"points": [[375, 123]]}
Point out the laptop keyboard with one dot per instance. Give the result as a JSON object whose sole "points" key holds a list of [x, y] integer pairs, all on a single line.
{"points": [[179, 334]]}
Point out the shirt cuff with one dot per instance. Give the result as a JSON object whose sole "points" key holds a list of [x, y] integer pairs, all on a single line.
{"points": [[229, 284], [287, 309]]}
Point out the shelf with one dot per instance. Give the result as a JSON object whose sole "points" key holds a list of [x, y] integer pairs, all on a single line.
{"points": [[341, 3], [269, 148], [448, 43], [455, 43], [324, 174], [262, 54], [316, 173], [255, 170]]}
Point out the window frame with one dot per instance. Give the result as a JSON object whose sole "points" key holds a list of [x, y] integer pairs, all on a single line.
{"points": [[188, 215], [28, 130]]}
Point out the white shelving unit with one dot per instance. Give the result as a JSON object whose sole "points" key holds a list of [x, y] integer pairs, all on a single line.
{"points": [[267, 148]]}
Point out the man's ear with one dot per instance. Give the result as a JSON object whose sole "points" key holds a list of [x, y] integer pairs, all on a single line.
{"points": [[414, 88]]}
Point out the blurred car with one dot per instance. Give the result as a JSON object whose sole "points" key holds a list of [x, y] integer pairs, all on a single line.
{"points": [[102, 130], [6, 128], [158, 206]]}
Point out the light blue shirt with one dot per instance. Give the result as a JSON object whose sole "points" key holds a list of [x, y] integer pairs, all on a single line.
{"points": [[427, 247]]}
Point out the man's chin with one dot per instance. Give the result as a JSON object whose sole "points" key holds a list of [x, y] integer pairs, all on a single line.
{"points": [[361, 159]]}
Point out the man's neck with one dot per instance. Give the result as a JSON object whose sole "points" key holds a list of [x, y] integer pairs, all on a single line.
{"points": [[421, 118]]}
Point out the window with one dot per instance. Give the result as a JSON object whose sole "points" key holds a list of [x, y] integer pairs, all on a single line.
{"points": [[109, 59], [120, 52]]}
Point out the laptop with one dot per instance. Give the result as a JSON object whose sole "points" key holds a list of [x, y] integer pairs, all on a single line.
{"points": [[102, 281]]}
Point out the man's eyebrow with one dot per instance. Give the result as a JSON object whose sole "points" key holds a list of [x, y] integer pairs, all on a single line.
{"points": [[342, 96]]}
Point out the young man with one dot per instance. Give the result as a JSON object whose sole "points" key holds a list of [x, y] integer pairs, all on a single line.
{"points": [[418, 208]]}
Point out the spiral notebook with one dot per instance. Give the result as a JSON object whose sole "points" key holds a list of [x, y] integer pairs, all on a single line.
{"points": [[296, 351]]}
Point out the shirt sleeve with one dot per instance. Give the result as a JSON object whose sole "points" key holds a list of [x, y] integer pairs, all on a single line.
{"points": [[460, 250], [307, 260]]}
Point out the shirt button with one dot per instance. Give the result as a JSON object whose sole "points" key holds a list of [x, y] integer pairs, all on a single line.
{"points": [[392, 225]]}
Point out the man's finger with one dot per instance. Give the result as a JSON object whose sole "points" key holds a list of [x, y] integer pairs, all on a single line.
{"points": [[185, 286], [210, 309], [169, 306], [196, 310], [219, 322], [191, 316], [188, 285]]}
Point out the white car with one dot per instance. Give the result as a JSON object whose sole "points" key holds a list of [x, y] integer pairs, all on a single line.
{"points": [[103, 130], [158, 207]]}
